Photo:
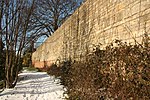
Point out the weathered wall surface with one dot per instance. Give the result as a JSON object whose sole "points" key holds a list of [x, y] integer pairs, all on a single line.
{"points": [[96, 21]]}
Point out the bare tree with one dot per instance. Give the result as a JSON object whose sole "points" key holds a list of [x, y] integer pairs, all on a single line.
{"points": [[14, 28], [1, 17], [50, 14], [22, 22], [2, 58]]}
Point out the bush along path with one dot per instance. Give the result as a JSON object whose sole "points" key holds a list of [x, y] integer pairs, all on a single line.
{"points": [[120, 72], [34, 86]]}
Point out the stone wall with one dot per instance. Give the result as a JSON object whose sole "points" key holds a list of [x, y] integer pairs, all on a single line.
{"points": [[95, 22]]}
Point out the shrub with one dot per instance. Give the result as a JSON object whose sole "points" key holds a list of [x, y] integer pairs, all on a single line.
{"points": [[120, 72]]}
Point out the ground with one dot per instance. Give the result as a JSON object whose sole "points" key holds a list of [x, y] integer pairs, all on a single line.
{"points": [[35, 86]]}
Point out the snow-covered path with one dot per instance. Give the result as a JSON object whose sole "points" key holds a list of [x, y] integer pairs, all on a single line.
{"points": [[35, 86]]}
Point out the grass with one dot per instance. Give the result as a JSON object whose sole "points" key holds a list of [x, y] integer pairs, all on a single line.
{"points": [[30, 69]]}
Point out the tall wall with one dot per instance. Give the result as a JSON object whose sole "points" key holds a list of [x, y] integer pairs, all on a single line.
{"points": [[95, 22]]}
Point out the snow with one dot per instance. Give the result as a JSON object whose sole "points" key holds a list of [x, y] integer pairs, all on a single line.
{"points": [[35, 86]]}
